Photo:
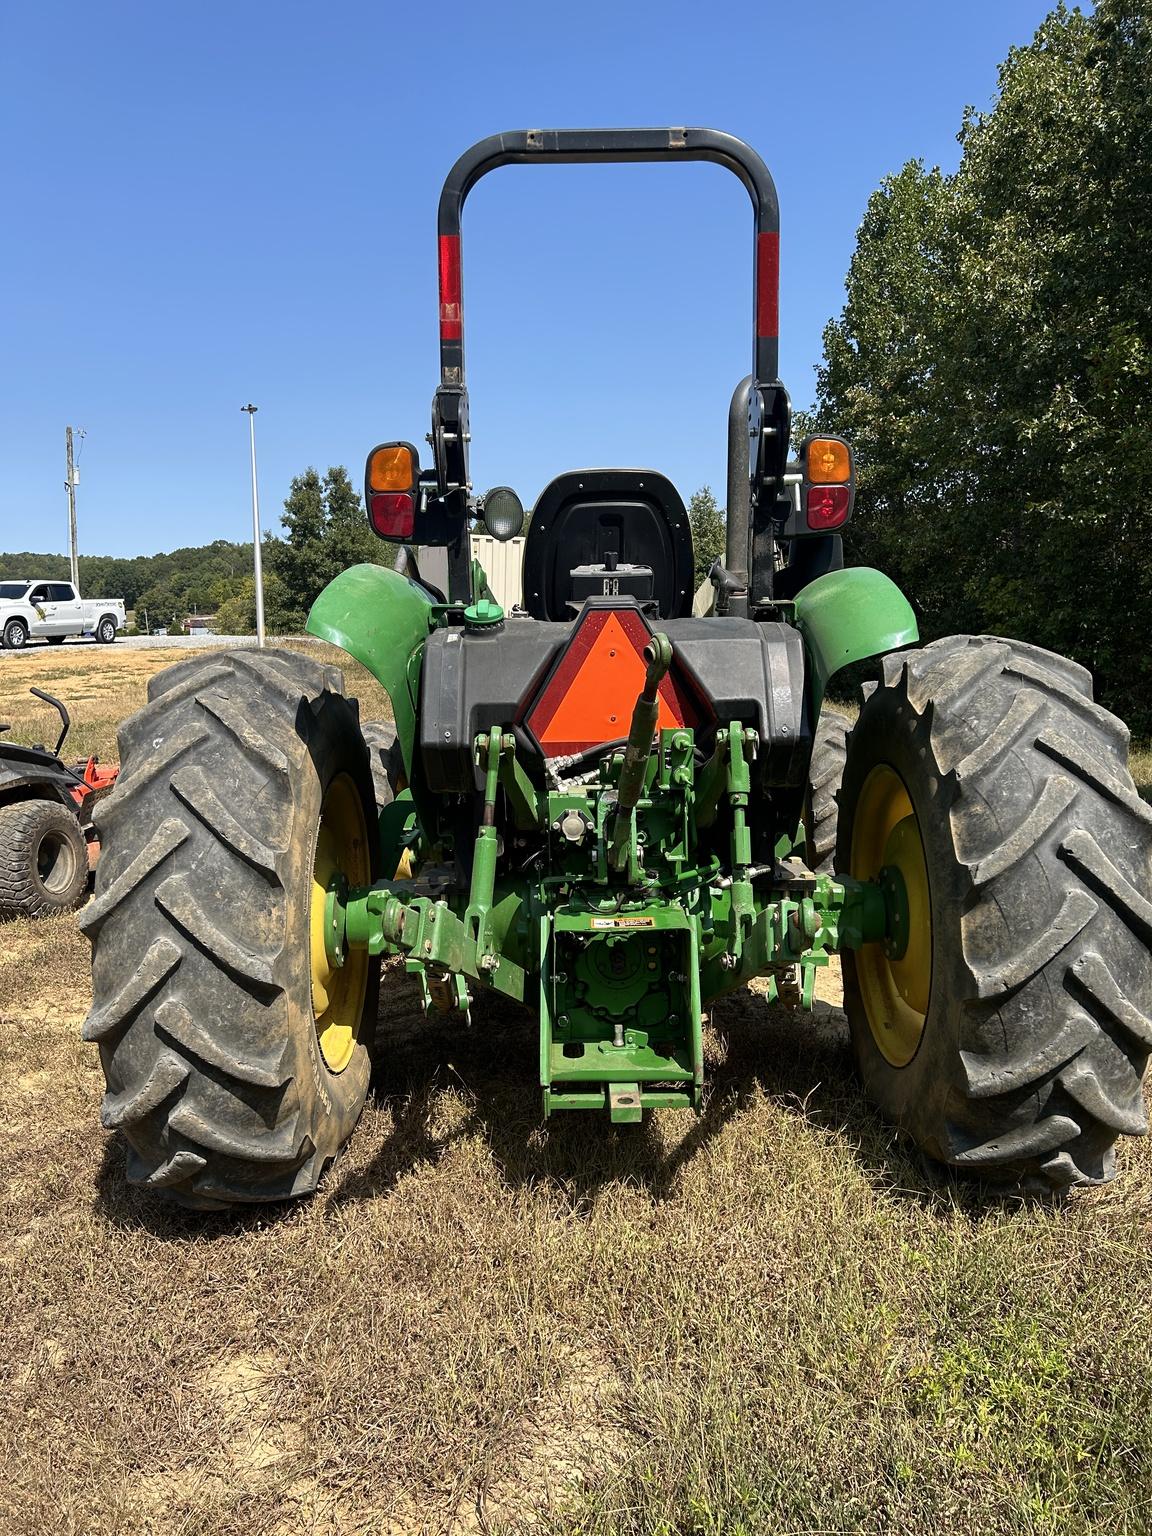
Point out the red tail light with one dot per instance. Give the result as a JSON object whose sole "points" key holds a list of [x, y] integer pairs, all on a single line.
{"points": [[392, 514], [827, 506]]}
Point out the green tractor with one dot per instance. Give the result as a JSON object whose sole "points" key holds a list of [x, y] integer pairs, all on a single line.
{"points": [[591, 806]]}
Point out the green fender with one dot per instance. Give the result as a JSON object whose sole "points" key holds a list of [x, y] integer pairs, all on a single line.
{"points": [[382, 619], [847, 616]]}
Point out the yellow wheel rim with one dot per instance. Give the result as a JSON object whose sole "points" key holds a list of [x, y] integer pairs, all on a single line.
{"points": [[338, 992], [894, 991]]}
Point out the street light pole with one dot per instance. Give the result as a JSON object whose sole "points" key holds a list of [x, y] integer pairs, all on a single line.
{"points": [[70, 487], [257, 566]]}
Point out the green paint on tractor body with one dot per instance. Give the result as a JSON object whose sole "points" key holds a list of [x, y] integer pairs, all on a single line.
{"points": [[383, 620], [848, 616]]}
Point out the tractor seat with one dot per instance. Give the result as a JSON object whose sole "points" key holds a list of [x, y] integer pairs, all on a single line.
{"points": [[608, 533]]}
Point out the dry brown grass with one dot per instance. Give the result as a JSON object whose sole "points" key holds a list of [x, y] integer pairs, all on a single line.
{"points": [[1140, 762], [100, 685], [770, 1319]]}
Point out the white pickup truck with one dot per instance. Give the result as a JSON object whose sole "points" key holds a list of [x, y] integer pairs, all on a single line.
{"points": [[52, 610]]}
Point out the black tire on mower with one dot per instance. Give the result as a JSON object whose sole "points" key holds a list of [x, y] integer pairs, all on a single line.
{"points": [[55, 639], [43, 859], [1038, 854], [825, 771], [200, 930]]}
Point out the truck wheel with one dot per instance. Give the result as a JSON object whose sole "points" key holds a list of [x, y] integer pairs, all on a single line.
{"points": [[824, 775], [15, 635], [1008, 1031], [106, 631], [43, 859], [236, 1056]]}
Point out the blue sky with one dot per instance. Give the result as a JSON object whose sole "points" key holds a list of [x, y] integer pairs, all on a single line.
{"points": [[210, 204]]}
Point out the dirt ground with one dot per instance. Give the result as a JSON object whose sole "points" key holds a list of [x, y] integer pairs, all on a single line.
{"points": [[770, 1318]]}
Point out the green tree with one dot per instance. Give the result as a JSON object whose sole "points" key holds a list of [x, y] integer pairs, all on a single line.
{"points": [[237, 614], [993, 361], [326, 531], [199, 578], [348, 538], [299, 561], [706, 520]]}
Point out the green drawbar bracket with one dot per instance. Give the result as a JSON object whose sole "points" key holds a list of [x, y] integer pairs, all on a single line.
{"points": [[624, 1103], [588, 1060]]}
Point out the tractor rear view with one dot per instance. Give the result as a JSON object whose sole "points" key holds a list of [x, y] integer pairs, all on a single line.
{"points": [[593, 806]]}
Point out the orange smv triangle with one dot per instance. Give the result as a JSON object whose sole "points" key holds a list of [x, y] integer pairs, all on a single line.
{"points": [[596, 704]]}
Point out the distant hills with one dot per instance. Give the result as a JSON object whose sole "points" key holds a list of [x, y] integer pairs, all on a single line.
{"points": [[197, 579]]}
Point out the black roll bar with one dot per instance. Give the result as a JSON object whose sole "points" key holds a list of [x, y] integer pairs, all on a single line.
{"points": [[579, 146]]}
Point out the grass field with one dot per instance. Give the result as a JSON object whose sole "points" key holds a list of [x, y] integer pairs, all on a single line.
{"points": [[771, 1319]]}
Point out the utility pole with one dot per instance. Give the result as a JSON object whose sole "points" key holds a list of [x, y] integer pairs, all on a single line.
{"points": [[70, 487], [257, 566]]}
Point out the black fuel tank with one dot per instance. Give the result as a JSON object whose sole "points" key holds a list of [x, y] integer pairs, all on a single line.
{"points": [[476, 679]]}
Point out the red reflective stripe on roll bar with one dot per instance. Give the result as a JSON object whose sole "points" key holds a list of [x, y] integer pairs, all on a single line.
{"points": [[767, 284], [450, 287]]}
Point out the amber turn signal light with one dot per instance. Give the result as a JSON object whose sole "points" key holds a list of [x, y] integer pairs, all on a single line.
{"points": [[393, 467], [829, 462]]}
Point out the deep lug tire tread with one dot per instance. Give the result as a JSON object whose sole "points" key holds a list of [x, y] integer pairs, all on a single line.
{"points": [[402, 1016], [22, 825], [384, 755], [201, 980], [825, 771], [1037, 1037]]}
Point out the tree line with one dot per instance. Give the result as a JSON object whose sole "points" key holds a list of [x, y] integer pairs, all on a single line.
{"points": [[992, 365], [325, 530], [168, 586]]}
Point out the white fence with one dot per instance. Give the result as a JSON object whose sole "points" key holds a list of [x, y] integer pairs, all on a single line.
{"points": [[503, 562]]}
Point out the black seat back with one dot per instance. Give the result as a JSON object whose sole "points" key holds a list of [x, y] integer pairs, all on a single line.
{"points": [[610, 518]]}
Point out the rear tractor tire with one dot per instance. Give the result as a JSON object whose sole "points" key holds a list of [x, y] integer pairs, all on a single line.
{"points": [[825, 772], [236, 1057], [387, 763], [1007, 1029]]}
